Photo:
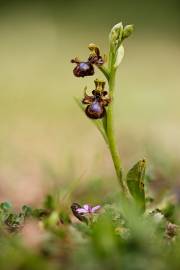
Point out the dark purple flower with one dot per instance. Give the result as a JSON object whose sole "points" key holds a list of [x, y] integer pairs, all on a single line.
{"points": [[82, 69]]}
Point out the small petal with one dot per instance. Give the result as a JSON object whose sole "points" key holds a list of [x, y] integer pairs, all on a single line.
{"points": [[81, 211], [87, 207], [95, 208]]}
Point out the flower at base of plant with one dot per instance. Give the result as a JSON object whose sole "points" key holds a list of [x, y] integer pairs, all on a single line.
{"points": [[96, 102], [79, 216], [88, 209]]}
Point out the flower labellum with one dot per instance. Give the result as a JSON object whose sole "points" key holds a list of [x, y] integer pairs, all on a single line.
{"points": [[97, 101], [82, 69]]}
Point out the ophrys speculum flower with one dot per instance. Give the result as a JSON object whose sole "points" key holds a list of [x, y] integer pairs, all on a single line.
{"points": [[86, 68], [82, 69], [97, 102]]}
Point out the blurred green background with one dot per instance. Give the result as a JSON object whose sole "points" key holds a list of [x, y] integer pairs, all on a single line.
{"points": [[43, 134]]}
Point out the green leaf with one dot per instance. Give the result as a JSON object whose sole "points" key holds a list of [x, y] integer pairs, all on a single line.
{"points": [[26, 210], [5, 205], [39, 213], [50, 202], [135, 183]]}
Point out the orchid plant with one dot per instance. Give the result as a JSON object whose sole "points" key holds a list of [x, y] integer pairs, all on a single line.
{"points": [[99, 107]]}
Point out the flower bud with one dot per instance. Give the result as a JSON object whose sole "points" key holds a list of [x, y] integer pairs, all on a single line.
{"points": [[115, 35], [128, 29]]}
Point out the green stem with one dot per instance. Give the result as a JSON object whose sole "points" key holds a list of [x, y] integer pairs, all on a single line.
{"points": [[110, 126], [105, 71]]}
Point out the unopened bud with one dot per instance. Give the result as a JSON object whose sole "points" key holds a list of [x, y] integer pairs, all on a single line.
{"points": [[115, 35], [128, 29]]}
